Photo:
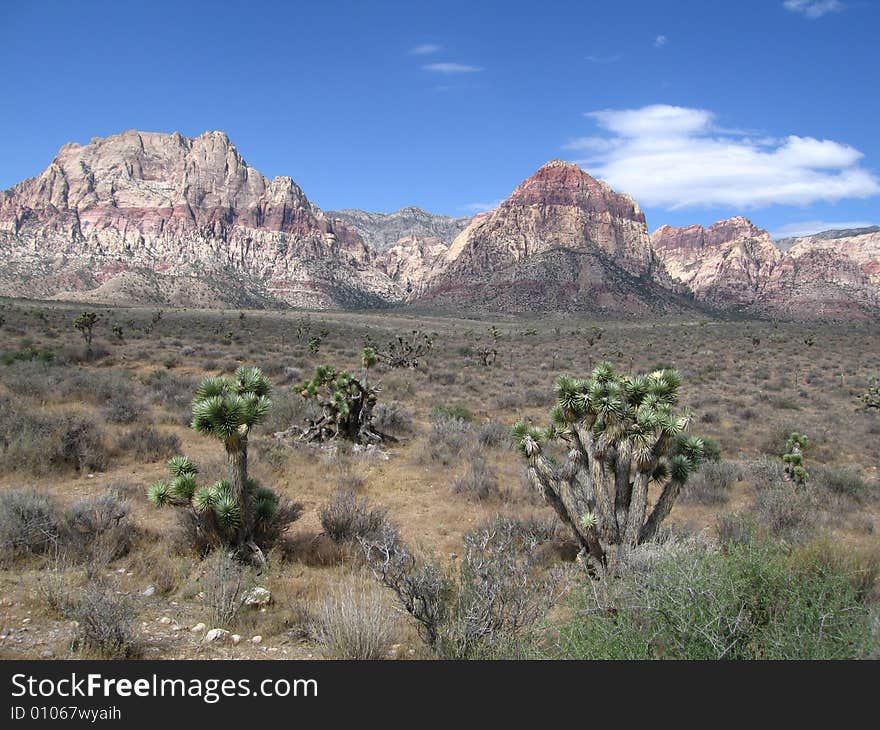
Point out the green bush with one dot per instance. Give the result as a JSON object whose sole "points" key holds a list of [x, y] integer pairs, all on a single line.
{"points": [[452, 411], [752, 602]]}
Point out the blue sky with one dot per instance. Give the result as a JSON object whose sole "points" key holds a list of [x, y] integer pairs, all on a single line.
{"points": [[701, 110]]}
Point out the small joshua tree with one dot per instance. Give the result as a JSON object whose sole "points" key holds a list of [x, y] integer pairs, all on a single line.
{"points": [[346, 404], [871, 397], [404, 352], [622, 436], [215, 513], [794, 459], [487, 356], [85, 323], [227, 408]]}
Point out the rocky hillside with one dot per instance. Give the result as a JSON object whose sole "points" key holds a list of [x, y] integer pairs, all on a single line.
{"points": [[190, 210], [735, 266], [727, 265], [384, 230], [562, 241]]}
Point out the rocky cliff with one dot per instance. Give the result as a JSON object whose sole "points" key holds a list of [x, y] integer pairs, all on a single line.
{"points": [[735, 266], [384, 230], [183, 208], [561, 241]]}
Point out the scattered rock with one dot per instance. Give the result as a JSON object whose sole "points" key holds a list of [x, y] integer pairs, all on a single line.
{"points": [[47, 654], [165, 620], [149, 591], [235, 639], [257, 639], [216, 635], [198, 628]]}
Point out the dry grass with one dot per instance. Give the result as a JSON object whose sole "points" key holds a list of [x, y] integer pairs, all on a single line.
{"points": [[134, 403]]}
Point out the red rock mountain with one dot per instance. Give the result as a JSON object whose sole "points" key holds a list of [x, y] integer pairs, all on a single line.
{"points": [[161, 218], [561, 241], [733, 265]]}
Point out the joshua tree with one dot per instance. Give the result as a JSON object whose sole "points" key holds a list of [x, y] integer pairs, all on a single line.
{"points": [[871, 397], [487, 356], [404, 352], [227, 408], [85, 323], [346, 404], [214, 511], [622, 436], [794, 458]]}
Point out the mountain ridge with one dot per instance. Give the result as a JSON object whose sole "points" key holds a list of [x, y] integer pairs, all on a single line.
{"points": [[149, 216]]}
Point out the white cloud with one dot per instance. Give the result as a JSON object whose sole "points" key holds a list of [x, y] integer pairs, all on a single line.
{"points": [[813, 8], [452, 68], [808, 228], [676, 157], [425, 49], [660, 41]]}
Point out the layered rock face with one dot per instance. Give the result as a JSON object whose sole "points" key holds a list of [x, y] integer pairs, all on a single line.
{"points": [[384, 230], [727, 264], [192, 208], [561, 241], [410, 262], [735, 266], [861, 245]]}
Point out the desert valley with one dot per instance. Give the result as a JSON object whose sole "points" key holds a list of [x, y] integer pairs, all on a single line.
{"points": [[539, 431]]}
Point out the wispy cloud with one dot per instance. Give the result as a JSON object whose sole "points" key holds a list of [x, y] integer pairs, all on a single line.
{"points": [[677, 157], [660, 41], [813, 8], [808, 228], [481, 207], [425, 49], [452, 68], [604, 59]]}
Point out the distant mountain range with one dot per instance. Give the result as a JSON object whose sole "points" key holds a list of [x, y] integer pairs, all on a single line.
{"points": [[154, 218]]}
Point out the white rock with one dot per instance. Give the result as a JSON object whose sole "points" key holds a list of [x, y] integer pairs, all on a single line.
{"points": [[257, 639], [165, 620], [198, 628], [149, 591], [216, 635], [257, 597], [235, 638]]}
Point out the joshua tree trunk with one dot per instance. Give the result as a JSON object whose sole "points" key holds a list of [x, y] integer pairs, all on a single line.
{"points": [[236, 456]]}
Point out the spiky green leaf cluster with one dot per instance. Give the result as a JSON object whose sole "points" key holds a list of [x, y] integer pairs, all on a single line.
{"points": [[636, 412], [223, 405]]}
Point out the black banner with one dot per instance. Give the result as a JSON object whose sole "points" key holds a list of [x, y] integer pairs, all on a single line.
{"points": [[413, 694]]}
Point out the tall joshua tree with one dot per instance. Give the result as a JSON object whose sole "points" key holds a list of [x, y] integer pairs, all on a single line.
{"points": [[622, 436], [227, 408]]}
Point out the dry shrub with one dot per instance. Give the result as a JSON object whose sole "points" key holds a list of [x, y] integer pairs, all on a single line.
{"points": [[98, 529], [146, 443], [224, 583], [29, 524], [353, 622], [479, 480], [347, 517], [711, 484]]}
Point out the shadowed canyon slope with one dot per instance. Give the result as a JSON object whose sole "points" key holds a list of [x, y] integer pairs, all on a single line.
{"points": [[164, 219]]}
